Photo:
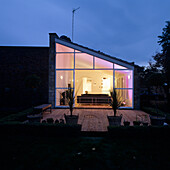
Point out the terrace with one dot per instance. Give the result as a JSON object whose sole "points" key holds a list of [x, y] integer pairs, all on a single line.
{"points": [[96, 119]]}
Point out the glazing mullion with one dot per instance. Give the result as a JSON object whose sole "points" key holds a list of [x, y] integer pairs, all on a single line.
{"points": [[74, 76], [113, 77]]}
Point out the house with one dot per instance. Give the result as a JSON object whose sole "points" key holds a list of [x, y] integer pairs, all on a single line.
{"points": [[92, 74]]}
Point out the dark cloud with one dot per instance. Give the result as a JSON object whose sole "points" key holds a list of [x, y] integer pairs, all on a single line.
{"points": [[127, 29]]}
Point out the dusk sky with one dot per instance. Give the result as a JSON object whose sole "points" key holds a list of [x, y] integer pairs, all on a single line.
{"points": [[126, 29]]}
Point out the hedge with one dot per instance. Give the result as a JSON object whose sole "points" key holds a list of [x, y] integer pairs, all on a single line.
{"points": [[153, 111], [39, 129], [139, 132]]}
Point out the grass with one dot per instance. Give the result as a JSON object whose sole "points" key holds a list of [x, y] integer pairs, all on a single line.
{"points": [[30, 152]]}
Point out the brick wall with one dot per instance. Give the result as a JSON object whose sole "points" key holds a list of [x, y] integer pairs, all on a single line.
{"points": [[16, 64]]}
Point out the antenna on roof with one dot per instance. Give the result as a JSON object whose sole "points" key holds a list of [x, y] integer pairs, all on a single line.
{"points": [[73, 21]]}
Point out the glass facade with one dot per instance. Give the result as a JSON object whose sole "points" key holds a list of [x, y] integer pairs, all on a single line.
{"points": [[100, 63], [89, 75], [83, 60]]}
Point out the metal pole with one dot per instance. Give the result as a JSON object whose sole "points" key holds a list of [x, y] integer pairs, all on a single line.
{"points": [[73, 21]]}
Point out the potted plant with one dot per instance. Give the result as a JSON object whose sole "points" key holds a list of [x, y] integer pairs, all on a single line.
{"points": [[115, 103], [126, 123], [145, 121], [136, 122], [71, 119], [50, 120], [157, 119]]}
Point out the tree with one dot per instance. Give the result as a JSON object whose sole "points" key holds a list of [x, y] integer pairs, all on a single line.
{"points": [[163, 59]]}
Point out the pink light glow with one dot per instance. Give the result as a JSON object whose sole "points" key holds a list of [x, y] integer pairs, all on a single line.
{"points": [[64, 61], [62, 48], [123, 79], [83, 60], [116, 66], [99, 63]]}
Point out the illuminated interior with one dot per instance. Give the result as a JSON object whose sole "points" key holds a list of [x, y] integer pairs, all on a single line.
{"points": [[91, 77]]}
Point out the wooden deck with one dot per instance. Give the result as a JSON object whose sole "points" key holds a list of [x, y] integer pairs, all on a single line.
{"points": [[96, 119]]}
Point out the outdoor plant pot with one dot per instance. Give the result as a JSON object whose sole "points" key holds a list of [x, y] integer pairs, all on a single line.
{"points": [[157, 120], [167, 119], [34, 118], [126, 123], [50, 120], [136, 123], [114, 120], [145, 123], [71, 119]]}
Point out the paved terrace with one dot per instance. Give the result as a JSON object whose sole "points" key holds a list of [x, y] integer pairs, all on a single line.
{"points": [[96, 119]]}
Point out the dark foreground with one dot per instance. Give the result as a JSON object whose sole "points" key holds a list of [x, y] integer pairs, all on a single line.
{"points": [[30, 152]]}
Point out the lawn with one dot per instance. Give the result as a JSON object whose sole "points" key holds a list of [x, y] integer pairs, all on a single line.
{"points": [[33, 152]]}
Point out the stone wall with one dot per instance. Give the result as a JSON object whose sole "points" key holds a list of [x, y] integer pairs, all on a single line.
{"points": [[137, 87], [52, 53]]}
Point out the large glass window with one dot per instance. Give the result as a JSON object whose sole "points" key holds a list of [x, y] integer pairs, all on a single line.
{"points": [[61, 97], [64, 79], [123, 79], [83, 60], [116, 66], [72, 70], [100, 63], [62, 48], [93, 82], [65, 61], [125, 96]]}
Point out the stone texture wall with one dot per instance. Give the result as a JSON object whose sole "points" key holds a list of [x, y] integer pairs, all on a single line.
{"points": [[52, 53], [136, 88]]}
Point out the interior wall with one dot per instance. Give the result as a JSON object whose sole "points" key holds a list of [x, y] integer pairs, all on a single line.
{"points": [[96, 77]]}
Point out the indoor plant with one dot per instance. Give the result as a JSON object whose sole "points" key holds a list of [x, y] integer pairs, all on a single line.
{"points": [[71, 119], [115, 103]]}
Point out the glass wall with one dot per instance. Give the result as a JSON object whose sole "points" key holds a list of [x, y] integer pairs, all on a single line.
{"points": [[123, 79], [88, 74], [93, 81], [83, 61], [100, 64]]}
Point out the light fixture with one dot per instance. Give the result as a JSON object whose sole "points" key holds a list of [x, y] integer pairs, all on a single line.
{"points": [[129, 77], [61, 77]]}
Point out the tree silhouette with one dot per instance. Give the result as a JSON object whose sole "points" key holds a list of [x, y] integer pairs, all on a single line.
{"points": [[163, 59]]}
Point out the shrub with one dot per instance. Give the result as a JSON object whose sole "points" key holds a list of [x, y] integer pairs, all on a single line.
{"points": [[21, 116], [139, 131], [40, 129], [153, 111]]}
